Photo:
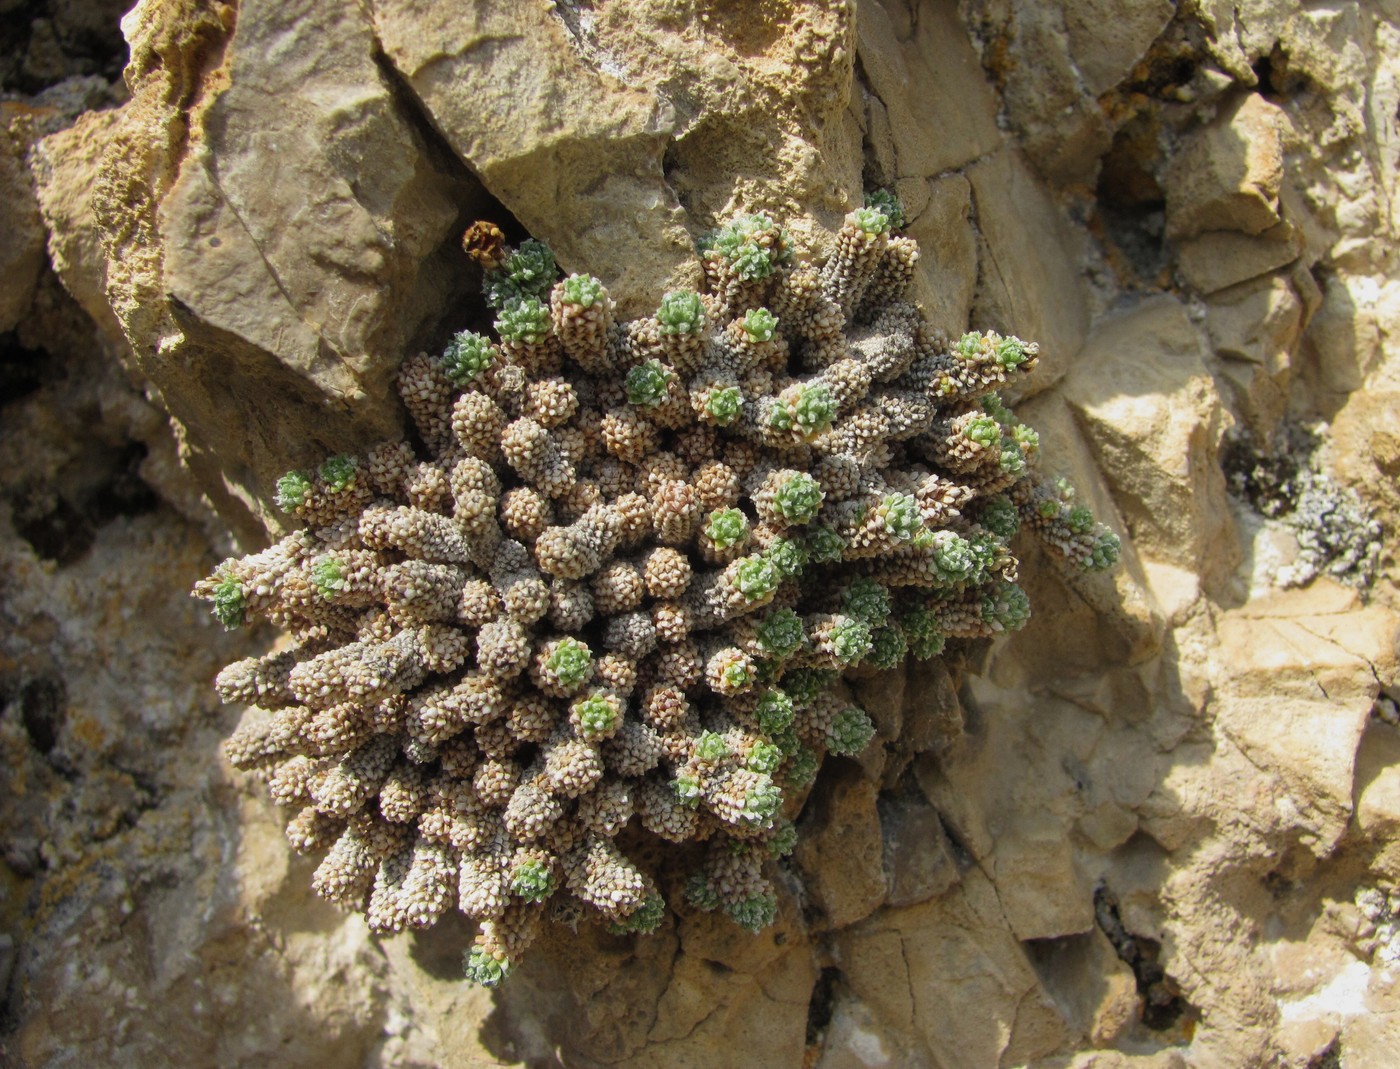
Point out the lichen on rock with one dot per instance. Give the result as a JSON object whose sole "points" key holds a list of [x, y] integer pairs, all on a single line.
{"points": [[617, 581]]}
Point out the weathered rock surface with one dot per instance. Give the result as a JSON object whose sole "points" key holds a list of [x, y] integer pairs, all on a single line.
{"points": [[1159, 827]]}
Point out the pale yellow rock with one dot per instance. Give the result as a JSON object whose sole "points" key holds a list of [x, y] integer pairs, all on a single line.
{"points": [[1377, 809], [842, 856], [1299, 677], [22, 251], [947, 251], [856, 1039], [953, 961], [1094, 989], [63, 165], [568, 149], [1107, 38], [1374, 1033], [1176, 589], [1256, 327], [924, 70], [1311, 641], [1029, 282], [1217, 259], [1367, 433], [1144, 392], [1348, 333], [1108, 825], [761, 1012], [697, 986], [1024, 865], [1227, 175], [1061, 125], [1155, 731], [766, 118], [1112, 1059], [290, 253]]}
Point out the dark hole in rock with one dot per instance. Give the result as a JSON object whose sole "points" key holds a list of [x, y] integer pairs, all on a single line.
{"points": [[1331, 1058], [820, 1005], [1131, 204], [41, 711], [61, 530], [22, 370], [61, 534], [1162, 1004], [126, 493], [1278, 80]]}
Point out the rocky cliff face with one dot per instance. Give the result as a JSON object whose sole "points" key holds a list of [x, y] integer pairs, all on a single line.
{"points": [[1158, 827]]}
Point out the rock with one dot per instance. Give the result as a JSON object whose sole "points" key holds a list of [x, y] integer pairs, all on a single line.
{"points": [[1257, 323], [918, 859], [65, 164], [922, 65], [1347, 333], [924, 971], [948, 251], [1145, 369], [1373, 1032], [936, 720], [22, 252], [1226, 176], [263, 266], [1176, 590], [1029, 283], [1111, 1059], [1255, 327], [839, 849], [1367, 432], [1300, 673], [1024, 866], [501, 86], [672, 998], [883, 695], [1026, 47], [1220, 258], [1013, 813], [1094, 990], [1107, 39], [1212, 754]]}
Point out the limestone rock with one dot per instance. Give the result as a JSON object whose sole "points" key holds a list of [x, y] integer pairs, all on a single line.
{"points": [[284, 253], [1028, 49], [841, 855], [1094, 988], [918, 859], [1217, 259], [914, 64], [1255, 327], [1377, 812], [1107, 39], [948, 267], [517, 101], [1227, 175], [1301, 670], [22, 253], [1026, 248], [64, 164], [271, 222], [1145, 369], [952, 957]]}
